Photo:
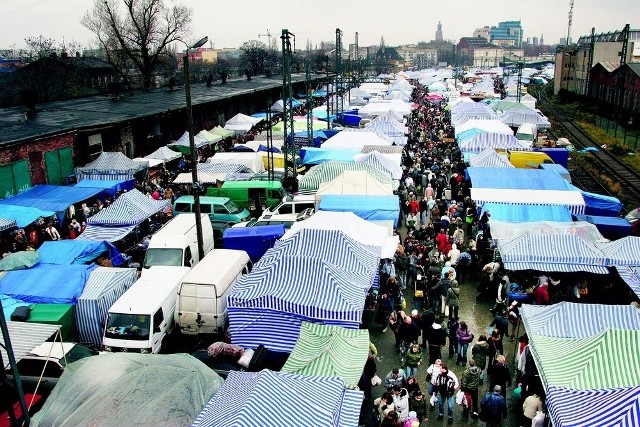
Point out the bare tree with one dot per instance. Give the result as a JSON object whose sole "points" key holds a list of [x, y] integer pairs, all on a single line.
{"points": [[137, 32], [253, 54]]}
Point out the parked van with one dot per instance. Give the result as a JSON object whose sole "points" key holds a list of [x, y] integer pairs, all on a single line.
{"points": [[142, 318], [176, 243], [527, 133], [292, 205], [202, 295], [253, 195], [219, 209]]}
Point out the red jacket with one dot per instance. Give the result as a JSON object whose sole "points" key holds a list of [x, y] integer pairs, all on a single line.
{"points": [[541, 295], [441, 241]]}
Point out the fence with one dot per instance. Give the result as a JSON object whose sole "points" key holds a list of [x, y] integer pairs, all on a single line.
{"points": [[628, 138]]}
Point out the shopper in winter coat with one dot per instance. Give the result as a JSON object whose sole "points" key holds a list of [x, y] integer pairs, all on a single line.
{"points": [[494, 407], [453, 299], [470, 383], [384, 404], [432, 375], [401, 402], [395, 377], [531, 406], [418, 404], [499, 375], [479, 353], [413, 359], [464, 337]]}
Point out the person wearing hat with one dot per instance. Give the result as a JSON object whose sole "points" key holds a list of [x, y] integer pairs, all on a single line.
{"points": [[493, 408]]}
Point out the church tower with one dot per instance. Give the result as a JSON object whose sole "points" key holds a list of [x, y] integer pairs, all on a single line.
{"points": [[439, 37]]}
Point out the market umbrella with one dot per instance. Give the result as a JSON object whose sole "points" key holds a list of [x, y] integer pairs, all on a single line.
{"points": [[19, 260]]}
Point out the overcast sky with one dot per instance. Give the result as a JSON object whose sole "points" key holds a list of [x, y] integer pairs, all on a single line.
{"points": [[230, 23]]}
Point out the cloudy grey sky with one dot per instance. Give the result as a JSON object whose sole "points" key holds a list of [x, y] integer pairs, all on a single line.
{"points": [[229, 23]]}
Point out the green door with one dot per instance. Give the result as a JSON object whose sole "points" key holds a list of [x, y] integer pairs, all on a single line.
{"points": [[59, 165], [14, 178]]}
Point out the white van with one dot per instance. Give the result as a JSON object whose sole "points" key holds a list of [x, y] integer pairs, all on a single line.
{"points": [[142, 318], [292, 205], [527, 133], [202, 296], [176, 243]]}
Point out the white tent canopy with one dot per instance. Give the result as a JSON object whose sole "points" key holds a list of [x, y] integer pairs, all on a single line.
{"points": [[251, 160], [571, 199], [380, 108], [165, 154], [355, 140], [494, 126], [506, 231], [353, 226], [358, 183], [241, 123]]}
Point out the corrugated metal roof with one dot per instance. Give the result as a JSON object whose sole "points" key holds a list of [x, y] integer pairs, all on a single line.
{"points": [[25, 337]]}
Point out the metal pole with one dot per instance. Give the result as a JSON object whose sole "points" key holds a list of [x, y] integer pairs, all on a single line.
{"points": [[194, 158], [14, 370]]}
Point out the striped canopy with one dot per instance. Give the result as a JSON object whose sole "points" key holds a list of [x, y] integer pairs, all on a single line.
{"points": [[607, 360], [104, 287], [6, 224], [559, 320], [328, 171], [184, 145], [552, 253], [304, 286], [618, 407], [102, 233], [217, 168], [384, 149], [516, 117], [267, 398], [622, 252], [489, 158], [388, 126], [110, 165], [326, 350], [129, 209], [483, 140], [631, 277], [380, 162]]}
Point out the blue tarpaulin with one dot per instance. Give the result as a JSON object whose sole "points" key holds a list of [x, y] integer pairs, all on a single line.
{"points": [[67, 252], [521, 179], [371, 208], [110, 187], [254, 240], [527, 213], [610, 227], [23, 215], [47, 284], [51, 198], [10, 304], [558, 155], [600, 205], [315, 156]]}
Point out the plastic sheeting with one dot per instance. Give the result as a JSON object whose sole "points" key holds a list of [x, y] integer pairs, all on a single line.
{"points": [[47, 284], [130, 389], [67, 252], [366, 207], [315, 156], [526, 213], [610, 227], [505, 231]]}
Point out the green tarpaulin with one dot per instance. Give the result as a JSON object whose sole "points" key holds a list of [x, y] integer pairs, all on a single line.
{"points": [[327, 350], [607, 360]]}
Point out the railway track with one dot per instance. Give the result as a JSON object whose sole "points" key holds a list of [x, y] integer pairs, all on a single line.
{"points": [[605, 161]]}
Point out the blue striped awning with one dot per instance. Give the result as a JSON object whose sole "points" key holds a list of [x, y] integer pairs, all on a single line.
{"points": [[618, 407], [111, 166], [516, 117], [103, 233], [275, 330], [631, 276], [104, 287], [484, 140], [130, 208], [552, 252], [489, 158], [328, 171], [303, 286], [622, 252], [220, 167], [6, 224], [381, 163], [388, 126], [249, 399], [559, 320]]}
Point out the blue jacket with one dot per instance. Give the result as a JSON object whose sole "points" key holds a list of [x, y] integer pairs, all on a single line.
{"points": [[494, 407]]}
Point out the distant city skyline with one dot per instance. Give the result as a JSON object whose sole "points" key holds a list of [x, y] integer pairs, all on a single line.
{"points": [[230, 24]]}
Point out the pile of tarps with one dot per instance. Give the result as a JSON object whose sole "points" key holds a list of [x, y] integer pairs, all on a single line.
{"points": [[504, 231], [269, 305], [130, 389], [119, 219], [183, 144], [328, 171], [109, 187], [372, 208], [591, 385], [47, 284], [326, 350], [104, 287], [552, 253], [110, 166], [526, 213], [248, 399], [358, 183], [360, 230], [46, 199], [68, 252]]}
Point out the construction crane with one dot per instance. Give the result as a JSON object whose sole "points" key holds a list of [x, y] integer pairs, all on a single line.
{"points": [[268, 36], [570, 22]]}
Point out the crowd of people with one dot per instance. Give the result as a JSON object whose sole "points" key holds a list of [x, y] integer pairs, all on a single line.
{"points": [[445, 243]]}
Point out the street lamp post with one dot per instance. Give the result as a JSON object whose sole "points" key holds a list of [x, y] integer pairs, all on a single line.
{"points": [[192, 146]]}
